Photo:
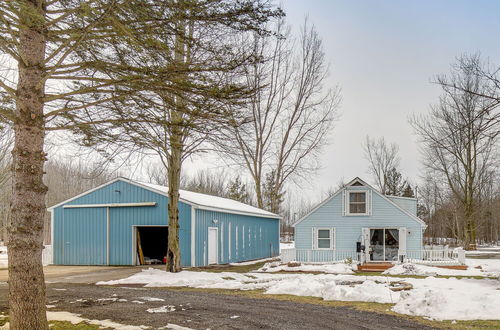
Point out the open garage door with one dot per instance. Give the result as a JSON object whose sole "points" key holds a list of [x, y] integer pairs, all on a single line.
{"points": [[151, 244]]}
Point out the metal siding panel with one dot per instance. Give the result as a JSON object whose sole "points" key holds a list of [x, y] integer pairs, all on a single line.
{"points": [[384, 214], [83, 237], [246, 243]]}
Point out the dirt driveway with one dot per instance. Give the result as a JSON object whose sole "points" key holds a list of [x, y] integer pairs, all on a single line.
{"points": [[156, 307], [81, 274]]}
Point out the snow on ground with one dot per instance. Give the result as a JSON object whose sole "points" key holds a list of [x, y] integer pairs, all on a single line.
{"points": [[338, 268], [451, 299], [162, 309], [476, 267], [288, 245], [487, 265], [437, 298]]}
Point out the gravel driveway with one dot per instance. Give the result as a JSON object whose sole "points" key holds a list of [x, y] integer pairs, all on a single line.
{"points": [[202, 310]]}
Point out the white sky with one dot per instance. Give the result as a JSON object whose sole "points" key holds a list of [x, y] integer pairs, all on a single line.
{"points": [[384, 55]]}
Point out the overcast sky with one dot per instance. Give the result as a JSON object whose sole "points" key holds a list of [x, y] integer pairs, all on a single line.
{"points": [[384, 55]]}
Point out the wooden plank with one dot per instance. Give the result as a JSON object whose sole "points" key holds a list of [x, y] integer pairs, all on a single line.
{"points": [[139, 248]]}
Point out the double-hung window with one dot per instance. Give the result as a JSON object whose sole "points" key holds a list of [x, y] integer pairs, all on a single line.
{"points": [[324, 239], [357, 203]]}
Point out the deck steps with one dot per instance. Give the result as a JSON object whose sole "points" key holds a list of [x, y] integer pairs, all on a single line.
{"points": [[375, 267]]}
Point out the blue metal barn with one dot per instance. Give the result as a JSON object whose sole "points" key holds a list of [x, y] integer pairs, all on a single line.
{"points": [[109, 224]]}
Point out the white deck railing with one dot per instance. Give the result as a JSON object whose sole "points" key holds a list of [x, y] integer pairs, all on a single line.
{"points": [[318, 256], [434, 257]]}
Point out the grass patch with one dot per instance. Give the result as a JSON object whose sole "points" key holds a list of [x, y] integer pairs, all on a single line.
{"points": [[63, 325], [228, 268], [357, 305]]}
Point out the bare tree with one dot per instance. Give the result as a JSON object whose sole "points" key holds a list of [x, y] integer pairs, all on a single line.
{"points": [[291, 113], [459, 140], [489, 77], [383, 158]]}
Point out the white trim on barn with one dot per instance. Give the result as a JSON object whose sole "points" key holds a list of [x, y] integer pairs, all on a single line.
{"points": [[78, 206], [193, 236]]}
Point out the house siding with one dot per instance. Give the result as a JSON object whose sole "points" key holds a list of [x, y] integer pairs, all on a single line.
{"points": [[407, 204], [348, 228]]}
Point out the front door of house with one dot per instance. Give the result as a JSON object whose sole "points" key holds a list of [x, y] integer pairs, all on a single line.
{"points": [[384, 244]]}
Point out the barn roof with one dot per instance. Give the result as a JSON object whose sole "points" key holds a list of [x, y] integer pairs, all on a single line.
{"points": [[195, 199]]}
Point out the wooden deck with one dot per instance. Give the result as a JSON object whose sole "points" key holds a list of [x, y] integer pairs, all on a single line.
{"points": [[375, 266]]}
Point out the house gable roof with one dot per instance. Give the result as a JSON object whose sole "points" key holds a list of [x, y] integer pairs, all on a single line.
{"points": [[359, 182], [197, 200]]}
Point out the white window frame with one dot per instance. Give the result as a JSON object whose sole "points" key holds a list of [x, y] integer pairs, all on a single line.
{"points": [[332, 238], [348, 202]]}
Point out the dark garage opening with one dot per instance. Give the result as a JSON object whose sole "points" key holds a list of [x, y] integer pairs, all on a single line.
{"points": [[152, 244]]}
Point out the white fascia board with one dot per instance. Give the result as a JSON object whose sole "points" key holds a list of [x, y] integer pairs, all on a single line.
{"points": [[78, 206], [402, 197], [84, 193]]}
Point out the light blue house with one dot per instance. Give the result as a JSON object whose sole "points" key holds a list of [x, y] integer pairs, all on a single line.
{"points": [[116, 222], [360, 223]]}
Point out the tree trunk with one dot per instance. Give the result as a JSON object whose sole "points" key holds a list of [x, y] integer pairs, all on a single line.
{"points": [[174, 179], [258, 193], [25, 230]]}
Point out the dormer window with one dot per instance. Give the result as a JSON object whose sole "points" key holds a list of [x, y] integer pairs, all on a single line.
{"points": [[357, 202]]}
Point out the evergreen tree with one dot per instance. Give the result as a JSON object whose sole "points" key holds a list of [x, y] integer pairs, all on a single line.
{"points": [[273, 198], [408, 191], [237, 190]]}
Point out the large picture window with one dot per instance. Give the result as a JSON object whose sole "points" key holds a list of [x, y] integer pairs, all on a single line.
{"points": [[357, 204], [324, 238]]}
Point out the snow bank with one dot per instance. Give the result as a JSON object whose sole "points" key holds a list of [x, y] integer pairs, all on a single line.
{"points": [[339, 268], [451, 299], [438, 298], [328, 289], [489, 268], [159, 278], [486, 265]]}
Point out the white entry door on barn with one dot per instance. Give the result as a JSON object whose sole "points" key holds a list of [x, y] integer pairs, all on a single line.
{"points": [[212, 245]]}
